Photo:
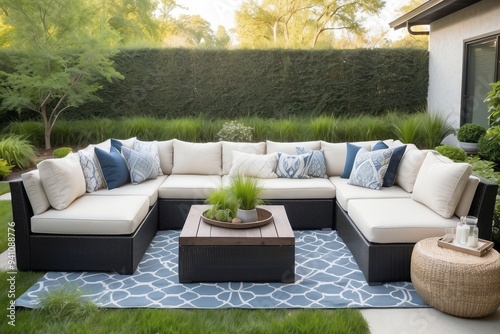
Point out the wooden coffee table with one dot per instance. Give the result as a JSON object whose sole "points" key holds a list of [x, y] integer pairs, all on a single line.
{"points": [[210, 253]]}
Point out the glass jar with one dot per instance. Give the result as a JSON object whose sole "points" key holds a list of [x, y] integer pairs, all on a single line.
{"points": [[473, 235], [462, 232]]}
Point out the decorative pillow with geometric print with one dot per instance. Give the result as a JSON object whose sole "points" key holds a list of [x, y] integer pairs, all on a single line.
{"points": [[369, 168], [317, 165]]}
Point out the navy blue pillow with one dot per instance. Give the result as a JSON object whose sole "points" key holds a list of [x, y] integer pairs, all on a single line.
{"points": [[116, 144], [380, 146], [113, 166], [352, 150], [397, 155]]}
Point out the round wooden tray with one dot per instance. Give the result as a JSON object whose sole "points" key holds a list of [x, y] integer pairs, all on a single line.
{"points": [[265, 217]]}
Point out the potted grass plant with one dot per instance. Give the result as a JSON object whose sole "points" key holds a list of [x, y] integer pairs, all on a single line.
{"points": [[247, 192], [224, 205], [468, 136]]}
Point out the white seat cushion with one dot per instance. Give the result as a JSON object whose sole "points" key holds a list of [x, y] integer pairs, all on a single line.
{"points": [[94, 215], [189, 186], [397, 220], [282, 188], [147, 188], [346, 192]]}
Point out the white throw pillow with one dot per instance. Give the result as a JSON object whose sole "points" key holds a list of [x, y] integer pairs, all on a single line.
{"points": [[229, 147], [440, 185], [409, 167], [62, 180], [254, 165], [34, 190], [197, 158]]}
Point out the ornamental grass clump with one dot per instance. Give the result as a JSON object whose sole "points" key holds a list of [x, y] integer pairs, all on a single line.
{"points": [[246, 191], [17, 151]]}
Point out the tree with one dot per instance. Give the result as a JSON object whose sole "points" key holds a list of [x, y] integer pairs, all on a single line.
{"points": [[61, 50], [412, 41], [299, 23]]}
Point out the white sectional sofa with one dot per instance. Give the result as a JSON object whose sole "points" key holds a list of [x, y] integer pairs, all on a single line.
{"points": [[67, 217]]}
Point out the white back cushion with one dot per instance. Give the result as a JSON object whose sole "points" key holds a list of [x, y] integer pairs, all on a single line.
{"points": [[166, 152], [62, 180], [197, 158], [440, 185], [409, 167], [34, 190]]}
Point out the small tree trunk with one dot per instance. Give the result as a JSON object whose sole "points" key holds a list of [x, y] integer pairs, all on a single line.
{"points": [[47, 127]]}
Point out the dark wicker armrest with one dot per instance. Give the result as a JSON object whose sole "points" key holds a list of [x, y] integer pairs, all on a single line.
{"points": [[22, 213], [483, 206]]}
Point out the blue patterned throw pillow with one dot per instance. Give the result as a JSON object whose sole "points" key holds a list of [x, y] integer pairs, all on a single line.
{"points": [[151, 147], [94, 180], [369, 168], [142, 165], [113, 166], [317, 165], [293, 166]]}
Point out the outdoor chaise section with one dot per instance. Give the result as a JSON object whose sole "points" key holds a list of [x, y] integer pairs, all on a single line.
{"points": [[99, 229]]}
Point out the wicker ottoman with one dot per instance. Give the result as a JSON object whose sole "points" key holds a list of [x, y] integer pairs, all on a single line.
{"points": [[456, 283]]}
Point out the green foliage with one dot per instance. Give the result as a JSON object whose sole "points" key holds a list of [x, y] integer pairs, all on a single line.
{"points": [[424, 130], [5, 168], [222, 199], [454, 153], [247, 192], [17, 151], [484, 168], [61, 152], [470, 132], [234, 84], [489, 147], [60, 51], [407, 130], [235, 131], [67, 304], [434, 129], [493, 99], [299, 23]]}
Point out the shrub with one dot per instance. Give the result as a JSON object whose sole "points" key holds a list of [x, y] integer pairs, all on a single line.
{"points": [[61, 152], [489, 148], [5, 168], [17, 151], [454, 153], [235, 131], [470, 133]]}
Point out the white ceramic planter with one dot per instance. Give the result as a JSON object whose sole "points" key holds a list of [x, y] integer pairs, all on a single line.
{"points": [[247, 216], [469, 148]]}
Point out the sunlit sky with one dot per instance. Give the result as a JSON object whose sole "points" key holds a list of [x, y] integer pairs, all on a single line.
{"points": [[221, 12]]}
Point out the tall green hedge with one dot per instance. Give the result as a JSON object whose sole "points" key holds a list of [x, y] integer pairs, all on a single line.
{"points": [[278, 83]]}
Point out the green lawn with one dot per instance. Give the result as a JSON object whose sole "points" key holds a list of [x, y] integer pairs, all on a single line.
{"points": [[5, 216]]}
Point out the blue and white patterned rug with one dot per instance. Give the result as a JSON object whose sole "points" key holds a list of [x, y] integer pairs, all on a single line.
{"points": [[326, 277]]}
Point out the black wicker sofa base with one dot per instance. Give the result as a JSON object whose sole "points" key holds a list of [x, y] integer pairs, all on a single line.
{"points": [[122, 253]]}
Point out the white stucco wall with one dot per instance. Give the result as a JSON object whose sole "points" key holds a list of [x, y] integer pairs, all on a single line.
{"points": [[446, 52]]}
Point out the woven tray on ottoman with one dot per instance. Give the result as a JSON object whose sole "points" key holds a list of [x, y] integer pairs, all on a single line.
{"points": [[456, 283]]}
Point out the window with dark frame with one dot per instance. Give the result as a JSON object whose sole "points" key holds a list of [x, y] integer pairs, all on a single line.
{"points": [[481, 68]]}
